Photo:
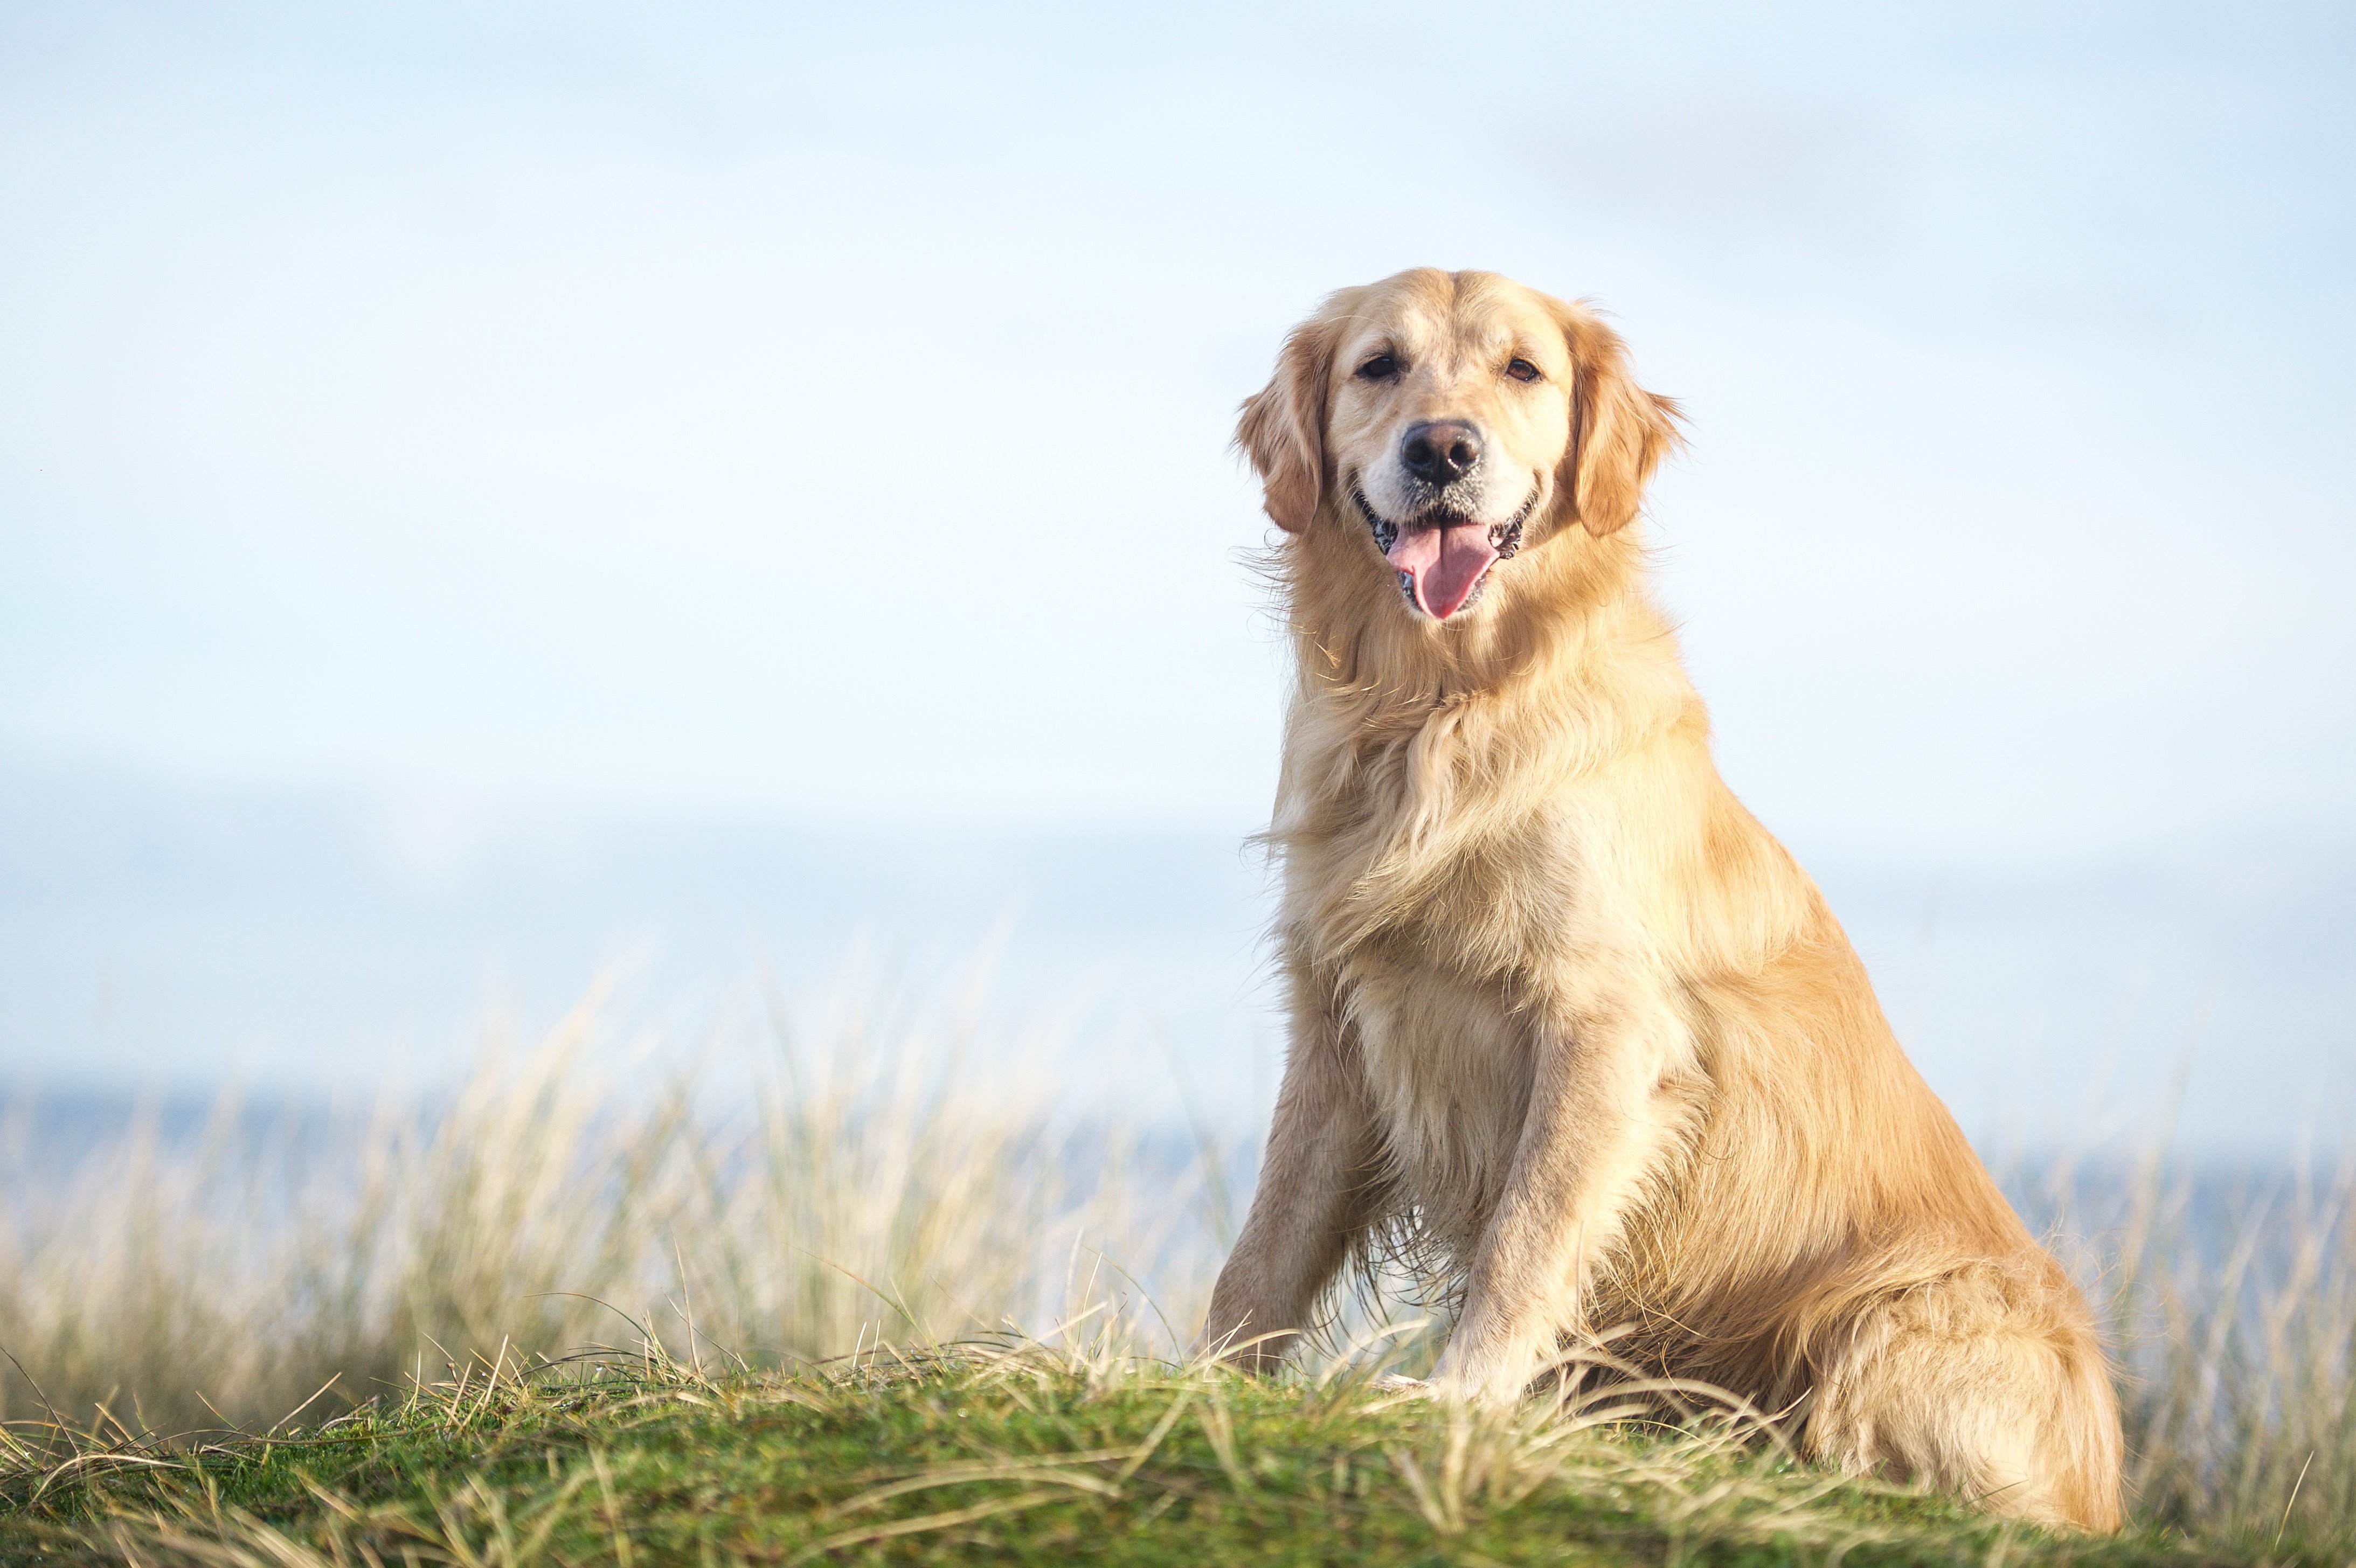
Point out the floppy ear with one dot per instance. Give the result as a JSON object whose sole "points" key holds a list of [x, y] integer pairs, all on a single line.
{"points": [[1619, 431], [1282, 430]]}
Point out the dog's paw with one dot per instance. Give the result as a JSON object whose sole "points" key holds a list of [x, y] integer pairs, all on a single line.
{"points": [[1393, 1383]]}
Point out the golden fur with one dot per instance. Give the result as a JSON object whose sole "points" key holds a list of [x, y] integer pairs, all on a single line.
{"points": [[1564, 1017]]}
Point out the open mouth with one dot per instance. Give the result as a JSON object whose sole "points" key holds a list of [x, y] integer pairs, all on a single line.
{"points": [[1443, 560]]}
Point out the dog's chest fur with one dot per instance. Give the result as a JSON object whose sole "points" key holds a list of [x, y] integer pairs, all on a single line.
{"points": [[1439, 956]]}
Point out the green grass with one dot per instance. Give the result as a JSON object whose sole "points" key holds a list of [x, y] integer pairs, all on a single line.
{"points": [[992, 1457]]}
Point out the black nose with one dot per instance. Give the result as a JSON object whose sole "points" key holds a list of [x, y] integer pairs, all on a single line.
{"points": [[1441, 451]]}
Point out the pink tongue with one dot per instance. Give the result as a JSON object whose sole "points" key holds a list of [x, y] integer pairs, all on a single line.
{"points": [[1446, 564]]}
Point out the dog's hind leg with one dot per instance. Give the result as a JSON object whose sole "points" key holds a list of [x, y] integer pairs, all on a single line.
{"points": [[1986, 1381]]}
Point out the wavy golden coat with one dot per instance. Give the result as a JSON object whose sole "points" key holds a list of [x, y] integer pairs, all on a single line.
{"points": [[1563, 1014]]}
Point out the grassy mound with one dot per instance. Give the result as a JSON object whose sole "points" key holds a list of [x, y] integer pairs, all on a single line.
{"points": [[1006, 1456], [850, 1186]]}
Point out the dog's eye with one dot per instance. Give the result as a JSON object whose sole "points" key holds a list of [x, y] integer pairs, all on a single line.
{"points": [[1381, 368], [1523, 370]]}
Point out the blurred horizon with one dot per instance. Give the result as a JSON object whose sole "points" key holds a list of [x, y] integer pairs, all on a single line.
{"points": [[165, 942], [488, 492]]}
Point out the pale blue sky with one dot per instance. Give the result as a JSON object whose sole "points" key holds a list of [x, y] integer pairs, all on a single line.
{"points": [[823, 411], [481, 487]]}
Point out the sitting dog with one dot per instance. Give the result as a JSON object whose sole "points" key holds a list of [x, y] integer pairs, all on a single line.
{"points": [[1566, 1022]]}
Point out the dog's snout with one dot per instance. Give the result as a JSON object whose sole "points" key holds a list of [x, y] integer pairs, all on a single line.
{"points": [[1441, 451]]}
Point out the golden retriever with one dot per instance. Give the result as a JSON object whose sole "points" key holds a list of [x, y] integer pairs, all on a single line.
{"points": [[1566, 1021]]}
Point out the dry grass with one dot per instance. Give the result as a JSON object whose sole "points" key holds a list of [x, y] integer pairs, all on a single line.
{"points": [[2232, 1300], [788, 1204], [795, 1200]]}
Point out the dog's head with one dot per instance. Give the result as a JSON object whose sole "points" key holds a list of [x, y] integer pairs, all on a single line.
{"points": [[1453, 420]]}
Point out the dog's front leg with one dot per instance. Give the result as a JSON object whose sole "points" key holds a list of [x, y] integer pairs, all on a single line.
{"points": [[1605, 1108], [1313, 1200]]}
